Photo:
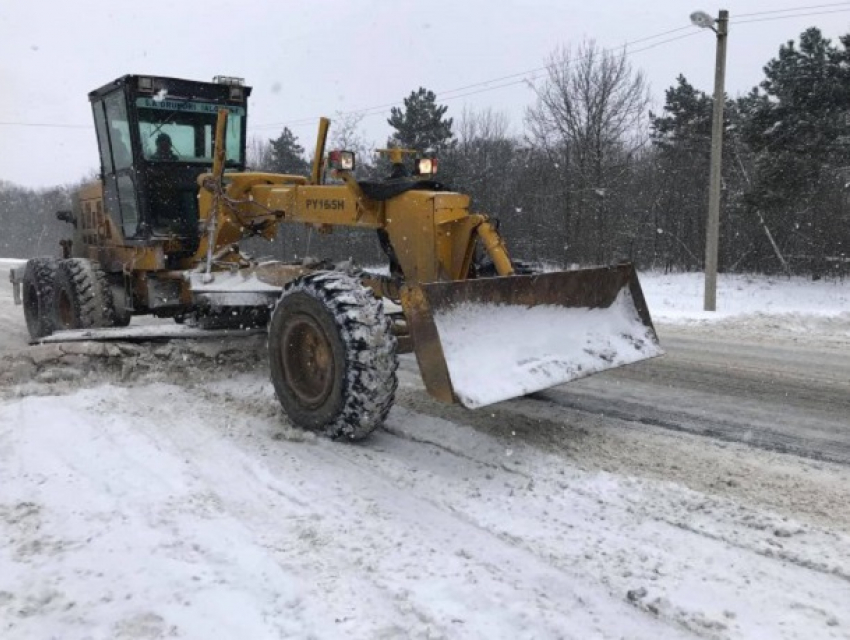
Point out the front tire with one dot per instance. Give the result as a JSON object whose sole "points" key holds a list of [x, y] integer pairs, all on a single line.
{"points": [[38, 283], [332, 355]]}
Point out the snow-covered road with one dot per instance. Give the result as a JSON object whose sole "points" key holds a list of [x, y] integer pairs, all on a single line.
{"points": [[135, 511], [158, 492]]}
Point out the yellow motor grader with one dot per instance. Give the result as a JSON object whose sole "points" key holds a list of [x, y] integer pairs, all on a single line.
{"points": [[158, 234]]}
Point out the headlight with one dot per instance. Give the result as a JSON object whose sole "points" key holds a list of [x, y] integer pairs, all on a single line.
{"points": [[341, 160], [426, 166]]}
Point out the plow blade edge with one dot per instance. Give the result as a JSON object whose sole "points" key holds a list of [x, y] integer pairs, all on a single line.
{"points": [[483, 341]]}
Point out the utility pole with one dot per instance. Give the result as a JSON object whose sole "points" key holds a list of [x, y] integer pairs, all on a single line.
{"points": [[712, 231]]}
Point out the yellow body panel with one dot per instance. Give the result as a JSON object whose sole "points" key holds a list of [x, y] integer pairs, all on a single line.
{"points": [[432, 232], [94, 225]]}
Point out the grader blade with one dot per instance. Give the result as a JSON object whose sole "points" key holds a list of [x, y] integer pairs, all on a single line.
{"points": [[486, 340]]}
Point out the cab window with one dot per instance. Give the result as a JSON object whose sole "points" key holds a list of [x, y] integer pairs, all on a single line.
{"points": [[119, 131], [174, 130]]}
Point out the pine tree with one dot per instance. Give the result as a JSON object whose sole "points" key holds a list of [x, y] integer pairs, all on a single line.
{"points": [[681, 138], [287, 156], [797, 127], [421, 125], [686, 121]]}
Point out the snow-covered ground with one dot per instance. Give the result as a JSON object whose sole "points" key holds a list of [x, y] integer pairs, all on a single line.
{"points": [[156, 492], [789, 304]]}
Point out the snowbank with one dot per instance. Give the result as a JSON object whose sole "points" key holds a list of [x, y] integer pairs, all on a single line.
{"points": [[678, 298]]}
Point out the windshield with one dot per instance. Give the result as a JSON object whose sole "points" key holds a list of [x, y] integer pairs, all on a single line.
{"points": [[174, 130]]}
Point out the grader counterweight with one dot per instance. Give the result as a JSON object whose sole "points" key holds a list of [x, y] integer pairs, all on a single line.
{"points": [[158, 235]]}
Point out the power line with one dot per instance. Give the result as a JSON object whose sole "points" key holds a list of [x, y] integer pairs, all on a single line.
{"points": [[529, 76], [796, 15], [534, 77], [522, 77], [443, 94], [45, 124], [535, 70], [370, 111], [813, 6]]}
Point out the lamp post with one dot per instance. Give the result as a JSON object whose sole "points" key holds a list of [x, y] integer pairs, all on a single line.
{"points": [[712, 231]]}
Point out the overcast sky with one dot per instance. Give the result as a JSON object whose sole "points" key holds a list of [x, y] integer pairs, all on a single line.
{"points": [[308, 59]]}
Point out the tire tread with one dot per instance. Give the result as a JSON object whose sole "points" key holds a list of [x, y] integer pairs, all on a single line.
{"points": [[371, 361]]}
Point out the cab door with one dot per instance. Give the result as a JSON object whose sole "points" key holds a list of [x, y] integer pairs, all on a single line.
{"points": [[116, 159]]}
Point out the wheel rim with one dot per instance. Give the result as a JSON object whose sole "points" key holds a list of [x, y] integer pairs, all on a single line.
{"points": [[308, 361], [65, 308]]}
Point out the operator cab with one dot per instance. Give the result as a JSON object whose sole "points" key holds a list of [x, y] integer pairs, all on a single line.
{"points": [[156, 136]]}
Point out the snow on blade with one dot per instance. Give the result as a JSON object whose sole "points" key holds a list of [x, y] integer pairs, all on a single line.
{"points": [[495, 351]]}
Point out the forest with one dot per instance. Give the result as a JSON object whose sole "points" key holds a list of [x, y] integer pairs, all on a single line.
{"points": [[596, 176]]}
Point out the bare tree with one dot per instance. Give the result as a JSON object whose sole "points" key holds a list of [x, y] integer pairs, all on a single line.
{"points": [[259, 154], [590, 111], [486, 124], [345, 134], [481, 161]]}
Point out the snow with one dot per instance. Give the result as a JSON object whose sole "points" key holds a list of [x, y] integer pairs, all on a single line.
{"points": [[167, 496], [126, 519], [678, 299], [223, 281], [127, 529], [140, 332], [160, 525], [497, 351]]}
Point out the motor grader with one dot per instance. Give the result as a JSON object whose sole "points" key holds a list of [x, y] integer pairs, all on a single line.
{"points": [[158, 234]]}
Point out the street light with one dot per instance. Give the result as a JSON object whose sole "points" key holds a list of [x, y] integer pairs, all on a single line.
{"points": [[712, 231]]}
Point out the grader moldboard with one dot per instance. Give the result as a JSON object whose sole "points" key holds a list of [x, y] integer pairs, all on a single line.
{"points": [[158, 234]]}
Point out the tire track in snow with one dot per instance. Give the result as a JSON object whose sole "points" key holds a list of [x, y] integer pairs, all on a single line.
{"points": [[775, 549], [683, 615], [424, 525], [771, 533], [687, 619], [798, 487]]}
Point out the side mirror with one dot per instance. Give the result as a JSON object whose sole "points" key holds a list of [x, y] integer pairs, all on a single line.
{"points": [[67, 216]]}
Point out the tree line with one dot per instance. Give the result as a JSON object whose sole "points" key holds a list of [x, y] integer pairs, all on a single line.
{"points": [[596, 177]]}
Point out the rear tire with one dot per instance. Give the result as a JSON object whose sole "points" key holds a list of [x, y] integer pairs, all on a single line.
{"points": [[82, 296], [38, 282], [332, 355]]}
